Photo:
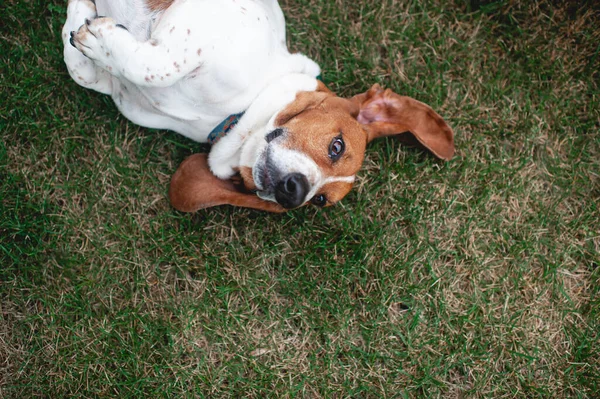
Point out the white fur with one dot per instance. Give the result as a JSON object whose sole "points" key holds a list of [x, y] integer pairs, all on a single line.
{"points": [[191, 66]]}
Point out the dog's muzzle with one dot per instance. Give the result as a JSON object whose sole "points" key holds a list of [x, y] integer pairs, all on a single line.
{"points": [[291, 191]]}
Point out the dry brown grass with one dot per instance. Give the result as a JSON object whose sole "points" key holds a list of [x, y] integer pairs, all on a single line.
{"points": [[476, 278]]}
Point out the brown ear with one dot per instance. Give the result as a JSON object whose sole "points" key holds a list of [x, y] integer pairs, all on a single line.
{"points": [[193, 187], [385, 113]]}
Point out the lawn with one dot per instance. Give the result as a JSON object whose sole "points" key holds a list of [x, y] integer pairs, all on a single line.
{"points": [[474, 278]]}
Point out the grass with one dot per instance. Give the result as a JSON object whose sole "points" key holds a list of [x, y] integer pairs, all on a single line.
{"points": [[473, 278]]}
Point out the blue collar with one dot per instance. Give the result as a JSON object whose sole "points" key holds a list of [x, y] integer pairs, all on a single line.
{"points": [[223, 128], [229, 123]]}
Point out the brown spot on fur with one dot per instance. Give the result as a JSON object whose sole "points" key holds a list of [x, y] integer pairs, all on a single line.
{"points": [[172, 29], [153, 42], [199, 51], [147, 79], [189, 31], [194, 73], [158, 5]]}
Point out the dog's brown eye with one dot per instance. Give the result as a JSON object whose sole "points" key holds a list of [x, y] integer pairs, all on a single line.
{"points": [[336, 148], [319, 200]]}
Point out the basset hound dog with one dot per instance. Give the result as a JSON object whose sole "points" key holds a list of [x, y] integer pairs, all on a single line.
{"points": [[219, 71]]}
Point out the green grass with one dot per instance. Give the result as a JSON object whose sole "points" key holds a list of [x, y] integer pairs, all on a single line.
{"points": [[473, 278]]}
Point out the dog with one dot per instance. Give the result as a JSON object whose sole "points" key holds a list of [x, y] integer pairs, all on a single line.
{"points": [[219, 71]]}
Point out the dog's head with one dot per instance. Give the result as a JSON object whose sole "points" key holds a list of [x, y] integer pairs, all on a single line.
{"points": [[314, 150]]}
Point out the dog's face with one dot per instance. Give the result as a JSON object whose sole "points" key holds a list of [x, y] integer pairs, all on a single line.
{"points": [[313, 150], [311, 154], [317, 144]]}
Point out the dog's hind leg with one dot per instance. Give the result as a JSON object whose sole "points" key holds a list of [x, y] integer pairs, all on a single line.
{"points": [[82, 69]]}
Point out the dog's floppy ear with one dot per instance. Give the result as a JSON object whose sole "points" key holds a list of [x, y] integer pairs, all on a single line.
{"points": [[385, 113], [193, 187]]}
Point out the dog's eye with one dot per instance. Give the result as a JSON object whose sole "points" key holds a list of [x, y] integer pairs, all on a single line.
{"points": [[336, 148], [319, 200]]}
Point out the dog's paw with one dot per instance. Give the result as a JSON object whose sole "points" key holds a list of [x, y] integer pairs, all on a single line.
{"points": [[92, 39]]}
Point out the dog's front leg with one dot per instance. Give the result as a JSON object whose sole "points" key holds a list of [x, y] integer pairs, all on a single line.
{"points": [[82, 69], [158, 62]]}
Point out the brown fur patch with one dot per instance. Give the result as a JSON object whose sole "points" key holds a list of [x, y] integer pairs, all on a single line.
{"points": [[246, 174], [313, 120], [159, 5]]}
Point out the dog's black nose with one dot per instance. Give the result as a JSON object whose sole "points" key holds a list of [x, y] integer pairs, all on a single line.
{"points": [[291, 190]]}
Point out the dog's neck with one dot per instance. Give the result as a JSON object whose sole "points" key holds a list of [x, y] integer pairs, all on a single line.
{"points": [[223, 128], [245, 141]]}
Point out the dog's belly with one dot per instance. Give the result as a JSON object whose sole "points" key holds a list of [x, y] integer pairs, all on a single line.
{"points": [[170, 108]]}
